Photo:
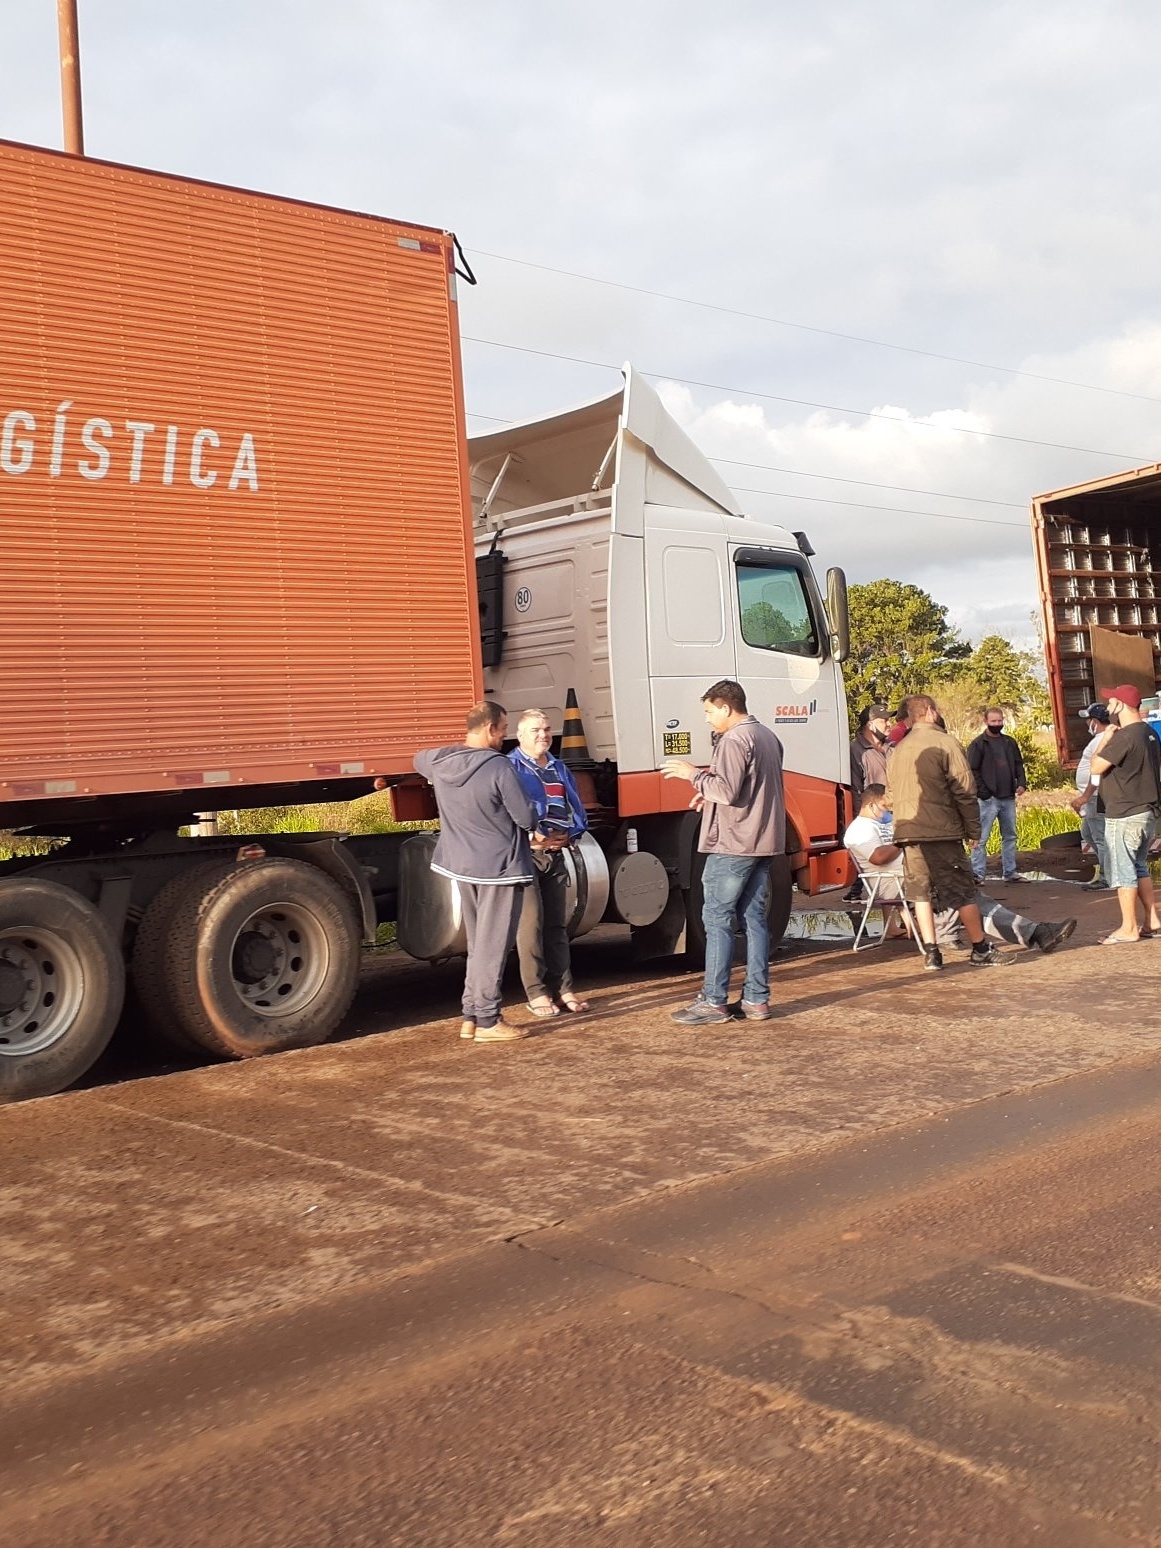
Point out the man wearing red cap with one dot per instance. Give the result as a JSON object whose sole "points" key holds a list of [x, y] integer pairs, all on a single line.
{"points": [[1129, 765]]}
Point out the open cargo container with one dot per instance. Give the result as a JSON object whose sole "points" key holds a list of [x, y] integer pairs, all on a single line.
{"points": [[1098, 559]]}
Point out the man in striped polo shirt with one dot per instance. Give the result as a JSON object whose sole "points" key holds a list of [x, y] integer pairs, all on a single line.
{"points": [[542, 940]]}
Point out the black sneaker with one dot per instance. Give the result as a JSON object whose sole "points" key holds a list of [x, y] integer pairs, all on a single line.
{"points": [[986, 955], [1049, 936], [932, 959]]}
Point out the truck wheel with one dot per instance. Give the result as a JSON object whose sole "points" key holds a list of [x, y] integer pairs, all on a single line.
{"points": [[254, 959], [779, 899], [62, 985], [694, 929]]}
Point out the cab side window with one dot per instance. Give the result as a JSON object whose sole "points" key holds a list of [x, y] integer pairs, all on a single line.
{"points": [[775, 610]]}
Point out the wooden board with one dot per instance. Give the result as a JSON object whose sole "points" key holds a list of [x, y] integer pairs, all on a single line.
{"points": [[1122, 658]]}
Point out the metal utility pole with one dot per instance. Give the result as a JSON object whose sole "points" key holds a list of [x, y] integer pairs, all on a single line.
{"points": [[70, 76]]}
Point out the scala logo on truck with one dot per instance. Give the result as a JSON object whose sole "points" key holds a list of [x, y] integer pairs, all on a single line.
{"points": [[794, 714], [137, 451]]}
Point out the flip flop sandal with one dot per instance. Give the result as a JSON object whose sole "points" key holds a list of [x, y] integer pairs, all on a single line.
{"points": [[544, 1011], [572, 1006], [1120, 940]]}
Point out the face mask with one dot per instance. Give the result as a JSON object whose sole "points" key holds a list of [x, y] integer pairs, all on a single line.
{"points": [[995, 730]]}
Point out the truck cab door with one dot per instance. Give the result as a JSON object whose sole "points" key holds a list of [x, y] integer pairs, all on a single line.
{"points": [[783, 658]]}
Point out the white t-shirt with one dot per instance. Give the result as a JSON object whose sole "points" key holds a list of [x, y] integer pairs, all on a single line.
{"points": [[862, 838], [1085, 776]]}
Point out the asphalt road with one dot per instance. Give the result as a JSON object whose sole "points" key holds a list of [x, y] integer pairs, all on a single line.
{"points": [[881, 1271]]}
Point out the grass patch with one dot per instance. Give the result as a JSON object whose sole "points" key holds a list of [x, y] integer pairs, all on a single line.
{"points": [[13, 845], [1036, 823]]}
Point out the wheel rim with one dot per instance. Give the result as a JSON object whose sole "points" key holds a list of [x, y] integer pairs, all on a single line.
{"points": [[41, 987], [280, 960]]}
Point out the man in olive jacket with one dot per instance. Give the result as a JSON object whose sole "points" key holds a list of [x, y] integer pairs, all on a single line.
{"points": [[932, 795]]}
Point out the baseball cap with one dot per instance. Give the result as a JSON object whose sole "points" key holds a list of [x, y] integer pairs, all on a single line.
{"points": [[1095, 712], [1125, 693], [874, 712]]}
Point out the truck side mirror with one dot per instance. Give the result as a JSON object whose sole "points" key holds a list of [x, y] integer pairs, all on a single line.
{"points": [[838, 614]]}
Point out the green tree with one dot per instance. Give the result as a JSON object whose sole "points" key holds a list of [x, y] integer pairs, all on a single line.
{"points": [[767, 626], [995, 673], [901, 642], [1007, 677], [1041, 766]]}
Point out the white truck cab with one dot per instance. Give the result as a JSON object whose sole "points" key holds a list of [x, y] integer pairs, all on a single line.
{"points": [[614, 564]]}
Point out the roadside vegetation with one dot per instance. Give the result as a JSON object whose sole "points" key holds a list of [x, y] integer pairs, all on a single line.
{"points": [[368, 814], [902, 642]]}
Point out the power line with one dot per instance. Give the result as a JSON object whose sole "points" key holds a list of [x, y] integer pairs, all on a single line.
{"points": [[863, 483], [893, 510], [829, 333], [830, 408]]}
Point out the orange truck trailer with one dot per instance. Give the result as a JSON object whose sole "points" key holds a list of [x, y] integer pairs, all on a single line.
{"points": [[256, 562]]}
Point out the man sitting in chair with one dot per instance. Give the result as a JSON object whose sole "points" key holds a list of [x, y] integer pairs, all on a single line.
{"points": [[869, 840]]}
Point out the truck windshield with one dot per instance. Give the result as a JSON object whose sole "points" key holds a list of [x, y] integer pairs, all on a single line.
{"points": [[774, 609]]}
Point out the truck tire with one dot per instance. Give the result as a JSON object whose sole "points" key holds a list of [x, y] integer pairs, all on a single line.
{"points": [[694, 928], [62, 985], [251, 959], [147, 965], [779, 899], [1067, 840]]}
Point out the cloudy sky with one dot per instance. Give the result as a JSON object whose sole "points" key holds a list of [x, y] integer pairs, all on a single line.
{"points": [[899, 266]]}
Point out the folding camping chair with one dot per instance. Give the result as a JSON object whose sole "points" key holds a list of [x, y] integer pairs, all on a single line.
{"points": [[873, 883]]}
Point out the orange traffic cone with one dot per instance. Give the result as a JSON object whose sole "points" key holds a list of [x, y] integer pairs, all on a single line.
{"points": [[574, 750]]}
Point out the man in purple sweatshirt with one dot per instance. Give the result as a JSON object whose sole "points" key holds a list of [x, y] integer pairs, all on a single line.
{"points": [[743, 824], [485, 819]]}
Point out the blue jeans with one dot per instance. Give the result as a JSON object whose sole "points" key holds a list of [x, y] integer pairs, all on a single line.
{"points": [[734, 888], [1127, 840], [1092, 831], [1002, 808]]}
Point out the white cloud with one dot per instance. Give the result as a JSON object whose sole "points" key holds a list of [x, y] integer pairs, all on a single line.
{"points": [[972, 556]]}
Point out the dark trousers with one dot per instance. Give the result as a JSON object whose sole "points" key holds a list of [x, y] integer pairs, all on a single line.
{"points": [[542, 939], [491, 914]]}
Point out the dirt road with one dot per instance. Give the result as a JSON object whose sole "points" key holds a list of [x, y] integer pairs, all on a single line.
{"points": [[880, 1270]]}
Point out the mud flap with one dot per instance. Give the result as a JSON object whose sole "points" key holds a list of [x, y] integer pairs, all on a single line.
{"points": [[829, 870]]}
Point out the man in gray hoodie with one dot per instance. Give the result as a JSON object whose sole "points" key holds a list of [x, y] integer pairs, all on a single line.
{"points": [[743, 824], [485, 819]]}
